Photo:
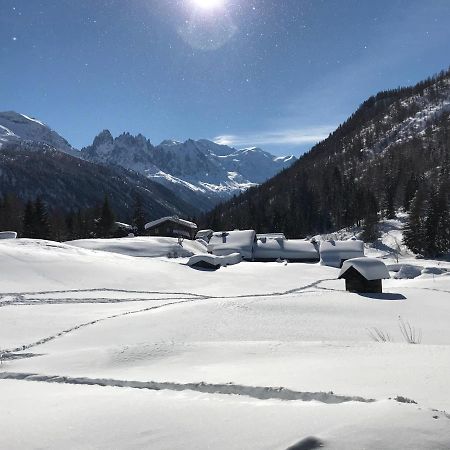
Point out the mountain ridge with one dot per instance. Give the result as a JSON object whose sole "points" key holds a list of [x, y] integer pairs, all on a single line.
{"points": [[202, 167], [201, 172]]}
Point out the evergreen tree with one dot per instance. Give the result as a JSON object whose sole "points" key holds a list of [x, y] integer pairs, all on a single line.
{"points": [[370, 226], [139, 217], [414, 230], [29, 221], [105, 223], [41, 225]]}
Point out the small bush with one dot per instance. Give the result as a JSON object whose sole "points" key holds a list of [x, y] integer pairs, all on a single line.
{"points": [[379, 335], [409, 333]]}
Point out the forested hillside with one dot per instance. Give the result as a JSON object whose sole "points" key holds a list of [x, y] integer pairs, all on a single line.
{"points": [[65, 183], [394, 148]]}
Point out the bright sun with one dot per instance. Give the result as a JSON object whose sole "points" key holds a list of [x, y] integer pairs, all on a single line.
{"points": [[208, 4]]}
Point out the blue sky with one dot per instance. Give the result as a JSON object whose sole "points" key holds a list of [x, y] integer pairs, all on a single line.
{"points": [[279, 74]]}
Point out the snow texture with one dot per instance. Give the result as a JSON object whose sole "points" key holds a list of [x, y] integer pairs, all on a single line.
{"points": [[214, 261], [228, 242], [272, 248], [117, 351], [332, 253]]}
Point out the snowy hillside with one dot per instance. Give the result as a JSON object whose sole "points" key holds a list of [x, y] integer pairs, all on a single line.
{"points": [[192, 168], [393, 146], [18, 128], [118, 351]]}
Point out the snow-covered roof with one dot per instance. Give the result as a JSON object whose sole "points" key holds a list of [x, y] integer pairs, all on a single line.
{"points": [[124, 225], [175, 219], [294, 249], [333, 252], [369, 268], [216, 261], [237, 241], [201, 234], [270, 236]]}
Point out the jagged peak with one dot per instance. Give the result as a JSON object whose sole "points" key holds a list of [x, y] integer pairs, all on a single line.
{"points": [[105, 137]]}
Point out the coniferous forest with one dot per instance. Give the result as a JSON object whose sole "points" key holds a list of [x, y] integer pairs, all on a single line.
{"points": [[392, 153], [33, 219]]}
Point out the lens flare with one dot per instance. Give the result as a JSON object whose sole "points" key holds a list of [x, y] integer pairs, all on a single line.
{"points": [[208, 4]]}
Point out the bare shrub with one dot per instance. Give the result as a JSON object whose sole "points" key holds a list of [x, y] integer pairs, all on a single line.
{"points": [[411, 334], [379, 335]]}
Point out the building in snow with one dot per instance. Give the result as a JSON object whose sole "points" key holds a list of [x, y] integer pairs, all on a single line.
{"points": [[8, 235], [334, 253], [224, 243], [121, 229], [273, 247], [213, 262], [171, 226], [364, 275], [204, 235]]}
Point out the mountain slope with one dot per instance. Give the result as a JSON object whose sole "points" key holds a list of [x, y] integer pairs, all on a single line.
{"points": [[377, 160], [67, 183], [18, 128], [201, 172]]}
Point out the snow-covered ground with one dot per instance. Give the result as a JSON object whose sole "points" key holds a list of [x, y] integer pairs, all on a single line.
{"points": [[112, 349]]}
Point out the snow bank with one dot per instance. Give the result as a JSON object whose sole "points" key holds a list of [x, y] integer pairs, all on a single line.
{"points": [[147, 246], [405, 271], [332, 253], [214, 262], [228, 242], [369, 268], [8, 235], [293, 250]]}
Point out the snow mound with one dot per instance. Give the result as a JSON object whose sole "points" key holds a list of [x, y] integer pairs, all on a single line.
{"points": [[227, 242], [214, 262], [332, 253], [407, 272], [148, 246], [290, 249]]}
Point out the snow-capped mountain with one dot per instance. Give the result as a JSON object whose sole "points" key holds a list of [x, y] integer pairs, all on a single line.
{"points": [[201, 173], [193, 168], [18, 128]]}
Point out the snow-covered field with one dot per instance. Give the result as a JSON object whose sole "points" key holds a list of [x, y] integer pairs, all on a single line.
{"points": [[110, 348]]}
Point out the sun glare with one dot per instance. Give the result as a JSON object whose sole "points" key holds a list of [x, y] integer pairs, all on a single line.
{"points": [[208, 4]]}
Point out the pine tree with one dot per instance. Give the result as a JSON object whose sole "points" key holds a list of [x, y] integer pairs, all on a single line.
{"points": [[370, 226], [40, 221], [139, 217], [106, 221], [414, 230], [29, 221]]}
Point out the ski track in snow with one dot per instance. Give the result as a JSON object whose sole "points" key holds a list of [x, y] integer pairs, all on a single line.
{"points": [[21, 301], [19, 298], [94, 322], [257, 392]]}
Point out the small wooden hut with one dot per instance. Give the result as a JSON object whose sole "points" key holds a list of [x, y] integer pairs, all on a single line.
{"points": [[171, 226], [364, 275]]}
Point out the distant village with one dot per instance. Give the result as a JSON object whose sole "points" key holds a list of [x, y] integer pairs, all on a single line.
{"points": [[225, 248]]}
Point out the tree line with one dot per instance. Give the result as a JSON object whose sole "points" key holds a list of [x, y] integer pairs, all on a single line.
{"points": [[33, 219]]}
